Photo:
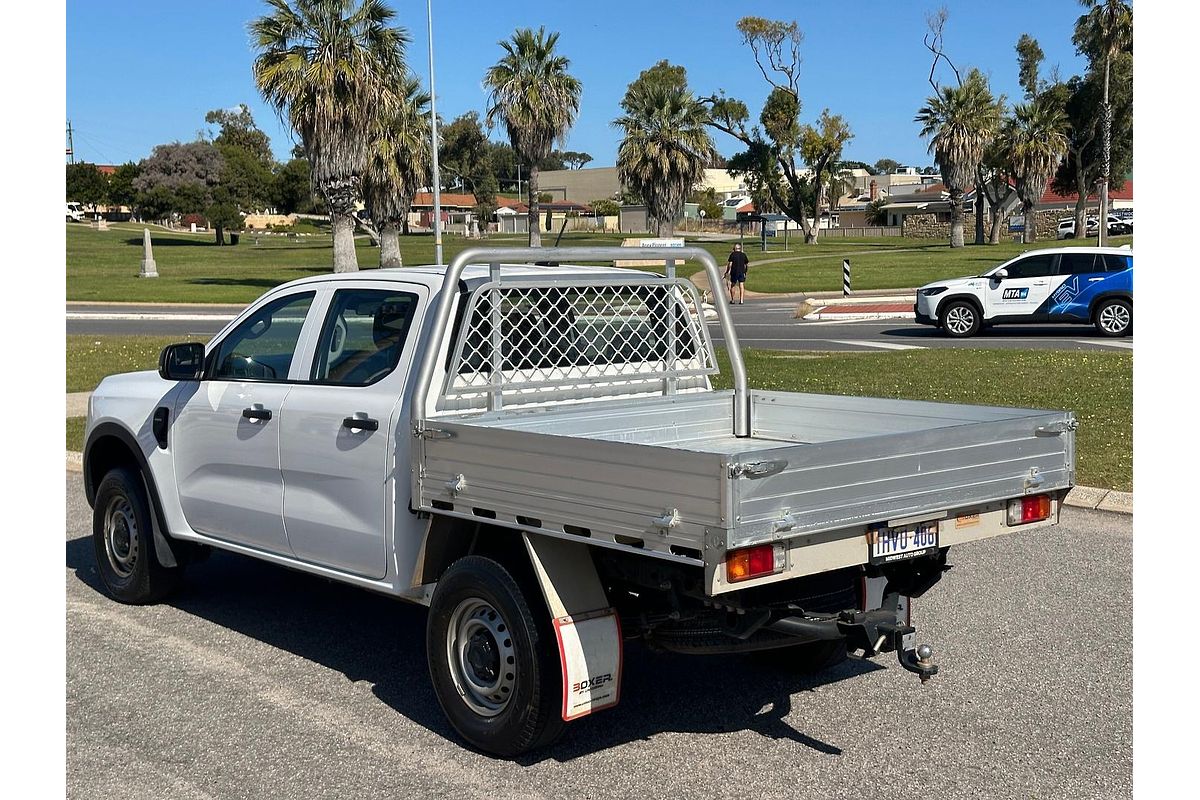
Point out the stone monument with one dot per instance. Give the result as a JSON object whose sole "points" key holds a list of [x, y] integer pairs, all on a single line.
{"points": [[149, 268]]}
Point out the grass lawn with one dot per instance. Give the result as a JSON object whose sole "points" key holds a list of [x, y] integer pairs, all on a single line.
{"points": [[1098, 387], [103, 265]]}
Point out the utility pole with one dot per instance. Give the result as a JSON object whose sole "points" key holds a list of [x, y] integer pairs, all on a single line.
{"points": [[437, 180], [70, 142]]}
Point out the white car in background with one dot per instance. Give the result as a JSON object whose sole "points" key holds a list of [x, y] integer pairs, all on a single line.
{"points": [[74, 212]]}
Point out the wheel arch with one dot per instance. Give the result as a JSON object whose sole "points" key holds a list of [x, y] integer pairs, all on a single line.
{"points": [[1114, 294], [970, 298], [109, 446]]}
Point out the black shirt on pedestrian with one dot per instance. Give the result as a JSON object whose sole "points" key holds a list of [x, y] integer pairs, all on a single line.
{"points": [[738, 262]]}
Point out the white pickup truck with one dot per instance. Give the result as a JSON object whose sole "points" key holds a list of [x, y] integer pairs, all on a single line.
{"points": [[536, 453]]}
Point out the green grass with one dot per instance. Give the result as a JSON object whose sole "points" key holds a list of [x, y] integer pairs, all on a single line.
{"points": [[91, 358], [75, 427], [103, 265], [1098, 387]]}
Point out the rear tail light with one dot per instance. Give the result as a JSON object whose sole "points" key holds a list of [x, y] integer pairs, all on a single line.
{"points": [[1029, 509], [754, 562]]}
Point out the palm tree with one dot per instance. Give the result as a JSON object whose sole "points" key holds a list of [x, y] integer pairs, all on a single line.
{"points": [[326, 65], [962, 120], [536, 99], [665, 149], [1036, 141], [400, 163], [1104, 31]]}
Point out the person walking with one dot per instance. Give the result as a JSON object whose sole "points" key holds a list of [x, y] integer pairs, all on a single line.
{"points": [[736, 268]]}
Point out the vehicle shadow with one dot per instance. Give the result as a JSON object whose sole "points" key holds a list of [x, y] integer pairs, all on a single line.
{"points": [[373, 638], [1033, 332]]}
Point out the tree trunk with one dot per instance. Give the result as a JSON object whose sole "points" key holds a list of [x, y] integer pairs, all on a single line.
{"points": [[997, 222], [979, 212], [1081, 215], [810, 235], [535, 224], [389, 246], [220, 235], [345, 259], [1105, 159], [1030, 222], [666, 228], [956, 218]]}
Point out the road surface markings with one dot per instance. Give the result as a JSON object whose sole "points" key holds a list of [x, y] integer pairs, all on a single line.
{"points": [[149, 317], [879, 345], [1103, 343]]}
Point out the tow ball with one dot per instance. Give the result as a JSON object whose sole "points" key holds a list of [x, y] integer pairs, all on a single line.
{"points": [[914, 658], [876, 632]]}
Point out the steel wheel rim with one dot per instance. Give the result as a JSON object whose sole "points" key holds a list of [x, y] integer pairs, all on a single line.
{"points": [[1114, 318], [121, 536], [959, 319], [479, 650]]}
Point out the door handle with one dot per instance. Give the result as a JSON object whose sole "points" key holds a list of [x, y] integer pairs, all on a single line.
{"points": [[256, 413], [1093, 280], [1040, 283], [363, 423]]}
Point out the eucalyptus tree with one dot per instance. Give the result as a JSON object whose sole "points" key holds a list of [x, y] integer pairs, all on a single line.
{"points": [[665, 149], [536, 100], [326, 65], [960, 121], [401, 162], [771, 161], [1103, 33], [1036, 142]]}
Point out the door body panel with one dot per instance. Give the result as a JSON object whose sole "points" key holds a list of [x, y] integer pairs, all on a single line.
{"points": [[227, 466]]}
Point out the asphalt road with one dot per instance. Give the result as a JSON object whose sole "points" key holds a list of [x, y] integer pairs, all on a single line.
{"points": [[761, 323], [255, 681], [771, 325]]}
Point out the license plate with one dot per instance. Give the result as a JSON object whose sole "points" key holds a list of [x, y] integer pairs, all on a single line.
{"points": [[887, 545]]}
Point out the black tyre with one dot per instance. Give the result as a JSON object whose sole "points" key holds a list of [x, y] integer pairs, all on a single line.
{"points": [[961, 319], [1114, 318], [494, 665], [124, 541], [808, 658]]}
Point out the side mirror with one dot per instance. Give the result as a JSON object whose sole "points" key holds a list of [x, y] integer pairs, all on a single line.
{"points": [[182, 362], [999, 274]]}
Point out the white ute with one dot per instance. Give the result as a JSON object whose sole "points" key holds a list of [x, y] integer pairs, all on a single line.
{"points": [[537, 454]]}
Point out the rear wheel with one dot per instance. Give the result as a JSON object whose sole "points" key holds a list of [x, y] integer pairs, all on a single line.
{"points": [[124, 541], [808, 658], [495, 668], [1114, 318], [961, 319]]}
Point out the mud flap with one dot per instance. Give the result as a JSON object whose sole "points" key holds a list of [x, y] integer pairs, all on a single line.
{"points": [[587, 628]]}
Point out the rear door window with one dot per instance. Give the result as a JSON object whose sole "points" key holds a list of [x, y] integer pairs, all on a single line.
{"points": [[1078, 264], [363, 336]]}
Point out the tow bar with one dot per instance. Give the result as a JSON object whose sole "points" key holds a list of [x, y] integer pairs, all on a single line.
{"points": [[873, 632]]}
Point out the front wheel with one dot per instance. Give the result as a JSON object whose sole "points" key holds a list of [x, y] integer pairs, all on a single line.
{"points": [[961, 319], [1114, 318], [124, 541], [495, 670]]}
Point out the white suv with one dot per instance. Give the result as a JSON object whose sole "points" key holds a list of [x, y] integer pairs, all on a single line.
{"points": [[1082, 285], [74, 212]]}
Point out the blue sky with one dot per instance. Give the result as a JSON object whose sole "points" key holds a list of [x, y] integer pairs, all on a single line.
{"points": [[148, 74]]}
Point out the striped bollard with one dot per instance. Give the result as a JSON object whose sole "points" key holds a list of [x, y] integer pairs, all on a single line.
{"points": [[845, 277]]}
